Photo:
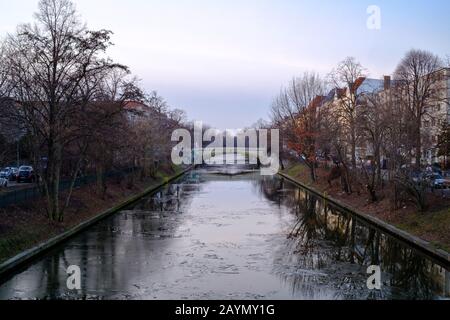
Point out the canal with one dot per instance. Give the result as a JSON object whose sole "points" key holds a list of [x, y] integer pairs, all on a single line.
{"points": [[217, 234]]}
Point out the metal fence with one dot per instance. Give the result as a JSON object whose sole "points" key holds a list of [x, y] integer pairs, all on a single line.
{"points": [[22, 196]]}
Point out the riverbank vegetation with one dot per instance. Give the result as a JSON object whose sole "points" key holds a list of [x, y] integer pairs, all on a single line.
{"points": [[25, 226], [379, 145], [374, 132], [72, 111], [432, 226]]}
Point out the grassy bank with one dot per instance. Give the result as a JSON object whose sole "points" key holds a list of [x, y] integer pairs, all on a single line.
{"points": [[23, 227], [432, 226]]}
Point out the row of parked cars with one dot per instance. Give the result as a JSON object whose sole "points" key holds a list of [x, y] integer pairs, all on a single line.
{"points": [[435, 180], [21, 174]]}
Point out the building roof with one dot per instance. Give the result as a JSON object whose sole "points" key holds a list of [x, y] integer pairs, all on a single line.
{"points": [[368, 85], [134, 106], [317, 102], [334, 93]]}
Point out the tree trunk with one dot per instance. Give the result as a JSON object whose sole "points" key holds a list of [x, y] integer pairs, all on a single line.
{"points": [[52, 181], [418, 154], [58, 162], [373, 194], [281, 163], [54, 192], [72, 183], [353, 146], [378, 166], [312, 169], [353, 154]]}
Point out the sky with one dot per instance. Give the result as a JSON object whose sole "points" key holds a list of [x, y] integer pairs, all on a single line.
{"points": [[223, 61]]}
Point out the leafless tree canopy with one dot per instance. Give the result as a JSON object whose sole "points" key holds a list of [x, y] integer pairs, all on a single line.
{"points": [[419, 89], [363, 120], [295, 103], [70, 99]]}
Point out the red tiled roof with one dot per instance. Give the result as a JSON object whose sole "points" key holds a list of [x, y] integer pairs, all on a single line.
{"points": [[358, 83], [134, 105]]}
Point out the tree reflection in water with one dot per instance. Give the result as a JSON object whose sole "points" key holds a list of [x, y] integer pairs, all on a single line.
{"points": [[334, 248], [157, 244], [111, 245]]}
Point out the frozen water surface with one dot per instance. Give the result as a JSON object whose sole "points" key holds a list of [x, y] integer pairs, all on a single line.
{"points": [[230, 234]]}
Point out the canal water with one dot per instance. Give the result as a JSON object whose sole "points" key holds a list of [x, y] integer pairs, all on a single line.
{"points": [[221, 234]]}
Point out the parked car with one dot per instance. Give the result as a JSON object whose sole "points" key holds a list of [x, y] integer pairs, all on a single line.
{"points": [[3, 183], [4, 172], [14, 173], [9, 173], [437, 169], [26, 174], [436, 181]]}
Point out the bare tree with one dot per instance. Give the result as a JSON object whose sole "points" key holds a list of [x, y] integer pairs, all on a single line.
{"points": [[371, 119], [444, 142], [55, 67], [157, 102], [178, 115], [294, 111], [333, 143], [345, 76], [102, 125], [4, 71], [419, 86]]}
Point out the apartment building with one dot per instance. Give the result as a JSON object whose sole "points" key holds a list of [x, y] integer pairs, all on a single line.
{"points": [[437, 113], [343, 103], [338, 102]]}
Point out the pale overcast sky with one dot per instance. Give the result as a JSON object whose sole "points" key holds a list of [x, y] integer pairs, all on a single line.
{"points": [[224, 60]]}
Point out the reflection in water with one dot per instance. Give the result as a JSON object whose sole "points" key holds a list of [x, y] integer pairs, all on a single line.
{"points": [[407, 274], [214, 235]]}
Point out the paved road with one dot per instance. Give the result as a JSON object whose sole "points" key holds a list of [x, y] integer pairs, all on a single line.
{"points": [[14, 186]]}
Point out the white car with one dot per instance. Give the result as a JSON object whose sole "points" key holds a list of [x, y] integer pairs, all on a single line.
{"points": [[436, 181], [3, 183]]}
